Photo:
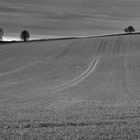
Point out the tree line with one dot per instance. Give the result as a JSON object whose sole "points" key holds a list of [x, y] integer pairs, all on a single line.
{"points": [[24, 36]]}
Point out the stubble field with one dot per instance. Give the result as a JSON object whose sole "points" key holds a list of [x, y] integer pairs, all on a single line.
{"points": [[71, 89]]}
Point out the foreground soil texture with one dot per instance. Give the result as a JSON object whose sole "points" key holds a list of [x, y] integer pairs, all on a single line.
{"points": [[71, 89]]}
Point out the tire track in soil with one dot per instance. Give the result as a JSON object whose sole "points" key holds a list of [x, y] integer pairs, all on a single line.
{"points": [[82, 76]]}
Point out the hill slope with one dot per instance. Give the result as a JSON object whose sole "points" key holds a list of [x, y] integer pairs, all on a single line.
{"points": [[64, 80], [106, 67]]}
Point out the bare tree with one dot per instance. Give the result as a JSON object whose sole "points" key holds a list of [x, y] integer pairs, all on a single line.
{"points": [[25, 35], [1, 34], [129, 29]]}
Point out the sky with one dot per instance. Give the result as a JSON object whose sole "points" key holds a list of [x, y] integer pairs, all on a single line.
{"points": [[68, 17]]}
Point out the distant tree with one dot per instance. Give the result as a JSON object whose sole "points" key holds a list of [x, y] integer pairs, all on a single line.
{"points": [[25, 35], [129, 29], [1, 34]]}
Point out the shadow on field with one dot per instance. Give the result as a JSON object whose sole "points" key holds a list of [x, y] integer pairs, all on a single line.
{"points": [[123, 120]]}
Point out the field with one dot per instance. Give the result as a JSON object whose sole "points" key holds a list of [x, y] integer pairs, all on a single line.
{"points": [[71, 89]]}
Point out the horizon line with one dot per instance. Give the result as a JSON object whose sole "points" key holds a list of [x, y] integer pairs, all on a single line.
{"points": [[43, 37]]}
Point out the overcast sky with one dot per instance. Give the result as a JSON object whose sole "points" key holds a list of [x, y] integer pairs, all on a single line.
{"points": [[68, 17]]}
